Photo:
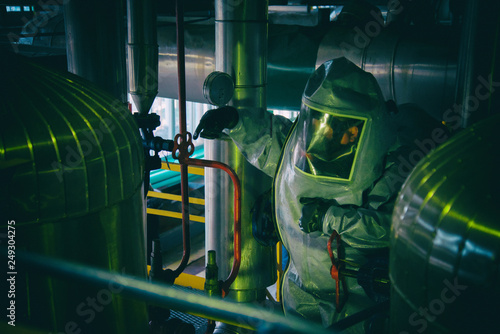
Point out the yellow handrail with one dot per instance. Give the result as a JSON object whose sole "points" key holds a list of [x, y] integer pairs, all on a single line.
{"points": [[173, 197]]}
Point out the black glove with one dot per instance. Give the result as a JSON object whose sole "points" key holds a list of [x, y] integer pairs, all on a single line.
{"points": [[214, 121], [313, 212]]}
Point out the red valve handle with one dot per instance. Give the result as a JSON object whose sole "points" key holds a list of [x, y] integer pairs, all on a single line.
{"points": [[335, 269], [183, 146]]}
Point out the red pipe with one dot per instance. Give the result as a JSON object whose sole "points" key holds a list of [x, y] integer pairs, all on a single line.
{"points": [[237, 216], [184, 143], [181, 71], [181, 65]]}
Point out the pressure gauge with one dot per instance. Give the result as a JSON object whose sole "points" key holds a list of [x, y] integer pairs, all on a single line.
{"points": [[218, 88]]}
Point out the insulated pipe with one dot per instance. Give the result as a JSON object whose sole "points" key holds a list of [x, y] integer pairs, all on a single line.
{"points": [[241, 48], [410, 66], [142, 53], [95, 39], [182, 149], [445, 238], [477, 94], [72, 176], [467, 58], [290, 61]]}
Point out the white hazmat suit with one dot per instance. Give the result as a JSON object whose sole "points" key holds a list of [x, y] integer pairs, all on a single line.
{"points": [[340, 152]]}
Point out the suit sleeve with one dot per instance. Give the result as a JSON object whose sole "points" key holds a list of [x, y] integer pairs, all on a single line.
{"points": [[367, 226], [260, 139]]}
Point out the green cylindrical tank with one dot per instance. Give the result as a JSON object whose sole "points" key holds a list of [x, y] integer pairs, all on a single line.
{"points": [[71, 169], [445, 239]]}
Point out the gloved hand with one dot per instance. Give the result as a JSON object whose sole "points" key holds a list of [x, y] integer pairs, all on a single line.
{"points": [[214, 121], [313, 212]]}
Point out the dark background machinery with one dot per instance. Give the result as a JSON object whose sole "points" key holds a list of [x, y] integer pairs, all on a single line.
{"points": [[439, 54]]}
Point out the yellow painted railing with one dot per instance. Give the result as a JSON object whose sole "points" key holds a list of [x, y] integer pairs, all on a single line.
{"points": [[187, 280], [173, 197]]}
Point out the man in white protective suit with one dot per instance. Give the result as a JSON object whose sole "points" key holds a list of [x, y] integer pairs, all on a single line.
{"points": [[335, 171]]}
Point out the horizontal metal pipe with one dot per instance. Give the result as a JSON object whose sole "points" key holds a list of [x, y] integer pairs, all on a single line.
{"points": [[290, 61], [166, 296], [409, 67]]}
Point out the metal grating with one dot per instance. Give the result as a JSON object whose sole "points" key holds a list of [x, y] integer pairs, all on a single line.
{"points": [[200, 324]]}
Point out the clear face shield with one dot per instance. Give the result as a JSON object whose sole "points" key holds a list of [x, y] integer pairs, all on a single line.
{"points": [[328, 144]]}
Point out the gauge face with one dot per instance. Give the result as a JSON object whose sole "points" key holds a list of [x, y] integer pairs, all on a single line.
{"points": [[218, 88]]}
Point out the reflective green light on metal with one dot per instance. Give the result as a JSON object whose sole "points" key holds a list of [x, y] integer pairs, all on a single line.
{"points": [[482, 228]]}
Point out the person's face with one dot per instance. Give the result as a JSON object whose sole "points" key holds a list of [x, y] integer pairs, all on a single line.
{"points": [[349, 136], [332, 142]]}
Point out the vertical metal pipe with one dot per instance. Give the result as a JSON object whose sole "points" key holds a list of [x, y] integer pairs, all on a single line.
{"points": [[173, 132], [95, 43], [467, 59], [411, 66], [142, 53], [241, 51], [478, 74]]}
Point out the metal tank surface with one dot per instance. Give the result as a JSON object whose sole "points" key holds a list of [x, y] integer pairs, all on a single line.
{"points": [[242, 55], [71, 168], [445, 240]]}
